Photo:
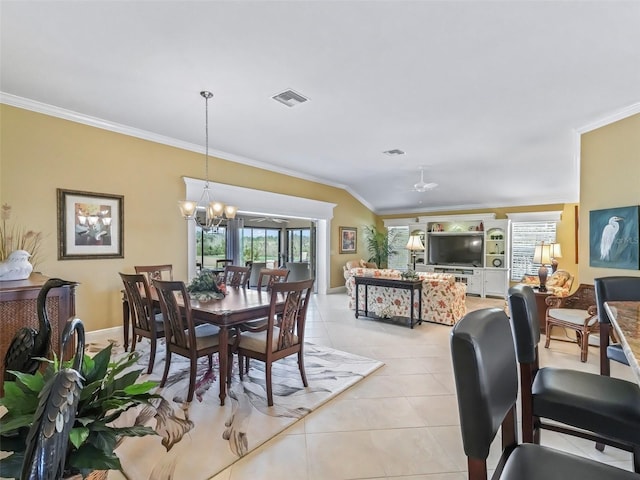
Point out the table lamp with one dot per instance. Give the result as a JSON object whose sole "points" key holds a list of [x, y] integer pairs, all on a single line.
{"points": [[556, 252], [414, 244], [542, 255]]}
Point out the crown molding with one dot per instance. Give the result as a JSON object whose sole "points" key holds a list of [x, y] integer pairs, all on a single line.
{"points": [[58, 112]]}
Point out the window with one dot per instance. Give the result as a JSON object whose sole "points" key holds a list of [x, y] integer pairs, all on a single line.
{"points": [[524, 238], [298, 244], [261, 245], [210, 246], [398, 238]]}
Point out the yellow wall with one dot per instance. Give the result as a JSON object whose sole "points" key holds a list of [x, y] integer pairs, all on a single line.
{"points": [[40, 153], [565, 233], [610, 166]]}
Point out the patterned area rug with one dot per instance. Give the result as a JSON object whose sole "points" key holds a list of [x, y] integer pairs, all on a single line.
{"points": [[198, 440]]}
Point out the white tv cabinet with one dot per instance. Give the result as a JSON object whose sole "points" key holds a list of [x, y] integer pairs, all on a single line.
{"points": [[490, 279]]}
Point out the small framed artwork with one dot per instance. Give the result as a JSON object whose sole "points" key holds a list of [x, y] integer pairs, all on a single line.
{"points": [[613, 238], [348, 240], [90, 225]]}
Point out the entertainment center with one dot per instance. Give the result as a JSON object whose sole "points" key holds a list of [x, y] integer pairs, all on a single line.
{"points": [[474, 248]]}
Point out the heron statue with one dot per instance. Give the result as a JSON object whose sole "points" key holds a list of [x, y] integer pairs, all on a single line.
{"points": [[28, 343], [48, 437], [609, 233]]}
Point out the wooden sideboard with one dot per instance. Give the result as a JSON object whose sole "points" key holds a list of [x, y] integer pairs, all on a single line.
{"points": [[18, 309]]}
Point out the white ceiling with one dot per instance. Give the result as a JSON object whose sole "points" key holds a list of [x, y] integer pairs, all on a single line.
{"points": [[486, 95]]}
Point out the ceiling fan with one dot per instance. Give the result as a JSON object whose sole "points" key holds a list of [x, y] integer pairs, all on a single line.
{"points": [[423, 186], [271, 219]]}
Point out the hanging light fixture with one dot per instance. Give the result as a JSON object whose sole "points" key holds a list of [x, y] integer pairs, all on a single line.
{"points": [[214, 212]]}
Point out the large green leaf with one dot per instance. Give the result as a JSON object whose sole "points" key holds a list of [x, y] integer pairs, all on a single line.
{"points": [[126, 380], [11, 466], [92, 458], [32, 382], [11, 422], [78, 435], [140, 388]]}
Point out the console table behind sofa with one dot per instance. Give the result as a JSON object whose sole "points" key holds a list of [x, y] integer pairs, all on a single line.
{"points": [[443, 299]]}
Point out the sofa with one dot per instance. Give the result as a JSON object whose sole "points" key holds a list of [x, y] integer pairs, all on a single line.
{"points": [[443, 299]]}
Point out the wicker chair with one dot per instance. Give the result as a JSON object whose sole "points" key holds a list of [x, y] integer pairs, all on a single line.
{"points": [[577, 312]]}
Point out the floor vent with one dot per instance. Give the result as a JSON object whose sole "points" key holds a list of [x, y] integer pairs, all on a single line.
{"points": [[290, 98]]}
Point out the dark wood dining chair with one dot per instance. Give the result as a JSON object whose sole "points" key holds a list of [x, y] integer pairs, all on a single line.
{"points": [[223, 262], [577, 312], [235, 276], [486, 378], [145, 320], [611, 289], [283, 333], [183, 337], [603, 409], [157, 272], [269, 276]]}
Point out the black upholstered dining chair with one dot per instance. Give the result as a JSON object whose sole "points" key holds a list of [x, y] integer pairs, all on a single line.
{"points": [[486, 378], [145, 320], [610, 289], [602, 409], [282, 334]]}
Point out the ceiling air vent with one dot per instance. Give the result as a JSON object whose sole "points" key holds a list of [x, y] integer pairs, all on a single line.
{"points": [[290, 98], [394, 152]]}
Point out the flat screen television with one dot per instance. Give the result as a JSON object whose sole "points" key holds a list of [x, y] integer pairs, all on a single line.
{"points": [[456, 249]]}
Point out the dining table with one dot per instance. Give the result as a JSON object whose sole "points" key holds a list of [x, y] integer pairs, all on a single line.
{"points": [[238, 306], [625, 318]]}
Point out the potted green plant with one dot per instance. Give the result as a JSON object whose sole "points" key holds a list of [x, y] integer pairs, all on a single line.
{"points": [[379, 244], [109, 389]]}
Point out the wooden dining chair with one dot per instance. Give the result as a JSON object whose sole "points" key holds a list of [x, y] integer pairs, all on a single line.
{"points": [[486, 378], [223, 262], [602, 409], [235, 276], [145, 320], [183, 337], [610, 289], [158, 272], [269, 276], [283, 333]]}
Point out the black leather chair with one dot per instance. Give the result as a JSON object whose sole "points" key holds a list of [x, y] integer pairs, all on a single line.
{"points": [[609, 289], [486, 377], [603, 409]]}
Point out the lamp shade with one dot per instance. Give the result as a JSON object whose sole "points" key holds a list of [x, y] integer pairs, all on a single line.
{"points": [[556, 251], [542, 254], [415, 243]]}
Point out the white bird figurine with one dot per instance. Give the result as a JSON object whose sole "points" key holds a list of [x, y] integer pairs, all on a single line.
{"points": [[16, 267], [609, 233]]}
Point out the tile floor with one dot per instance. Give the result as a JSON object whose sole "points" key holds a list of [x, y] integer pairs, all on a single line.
{"points": [[402, 421]]}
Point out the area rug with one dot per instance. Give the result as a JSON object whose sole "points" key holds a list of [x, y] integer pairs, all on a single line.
{"points": [[199, 439]]}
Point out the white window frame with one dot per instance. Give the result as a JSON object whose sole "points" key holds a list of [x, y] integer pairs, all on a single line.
{"points": [[527, 231]]}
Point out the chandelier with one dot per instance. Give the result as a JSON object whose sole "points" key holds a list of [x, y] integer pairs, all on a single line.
{"points": [[214, 212]]}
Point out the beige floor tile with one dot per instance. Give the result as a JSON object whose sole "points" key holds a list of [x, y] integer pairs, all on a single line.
{"points": [[411, 451], [436, 410], [282, 457], [343, 455]]}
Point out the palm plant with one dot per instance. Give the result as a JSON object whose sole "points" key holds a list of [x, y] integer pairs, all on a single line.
{"points": [[380, 245]]}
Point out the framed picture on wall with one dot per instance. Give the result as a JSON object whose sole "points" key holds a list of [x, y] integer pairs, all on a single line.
{"points": [[613, 238], [348, 240], [90, 225]]}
